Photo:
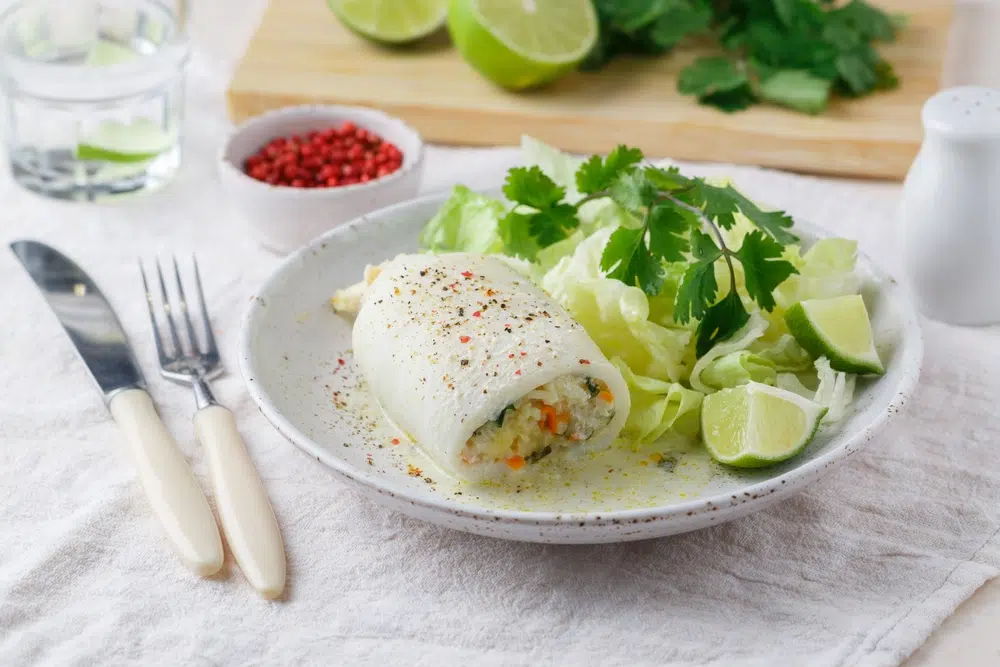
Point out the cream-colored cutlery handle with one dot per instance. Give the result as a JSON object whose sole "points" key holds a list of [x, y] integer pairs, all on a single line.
{"points": [[177, 499], [247, 517]]}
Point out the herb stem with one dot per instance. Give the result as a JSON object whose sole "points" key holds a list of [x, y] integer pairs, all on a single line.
{"points": [[727, 254], [592, 197]]}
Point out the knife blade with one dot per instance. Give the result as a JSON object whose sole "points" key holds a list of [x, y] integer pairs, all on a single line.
{"points": [[85, 314], [97, 334]]}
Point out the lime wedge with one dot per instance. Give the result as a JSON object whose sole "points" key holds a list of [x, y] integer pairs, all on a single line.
{"points": [[756, 425], [138, 141], [105, 53], [837, 329], [391, 21], [522, 43]]}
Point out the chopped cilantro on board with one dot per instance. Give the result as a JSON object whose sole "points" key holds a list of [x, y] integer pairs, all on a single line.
{"points": [[791, 53]]}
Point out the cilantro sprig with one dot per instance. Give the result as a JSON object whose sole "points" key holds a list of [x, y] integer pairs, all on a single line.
{"points": [[792, 53], [682, 219]]}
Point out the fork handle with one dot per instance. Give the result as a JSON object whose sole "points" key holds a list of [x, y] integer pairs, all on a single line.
{"points": [[174, 494], [247, 517]]}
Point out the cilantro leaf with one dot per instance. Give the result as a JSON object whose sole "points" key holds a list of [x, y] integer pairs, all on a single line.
{"points": [[627, 259], [798, 14], [868, 21], [632, 15], [596, 174], [552, 225], [515, 231], [644, 27], [730, 100], [668, 228], [763, 267], [722, 203], [667, 179], [530, 186], [698, 286], [796, 89], [633, 190], [721, 321], [858, 69], [718, 82], [706, 76], [679, 20]]}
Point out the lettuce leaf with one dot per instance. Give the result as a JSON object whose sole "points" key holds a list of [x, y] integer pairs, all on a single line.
{"points": [[785, 354], [741, 340], [561, 168], [658, 407], [834, 390], [616, 315], [738, 368], [825, 271], [467, 222]]}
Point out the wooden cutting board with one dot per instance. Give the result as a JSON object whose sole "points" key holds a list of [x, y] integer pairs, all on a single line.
{"points": [[301, 54]]}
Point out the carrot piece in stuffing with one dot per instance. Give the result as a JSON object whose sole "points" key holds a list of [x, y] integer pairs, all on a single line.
{"points": [[514, 462]]}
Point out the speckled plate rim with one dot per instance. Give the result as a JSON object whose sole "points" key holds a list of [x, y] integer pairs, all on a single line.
{"points": [[751, 498]]}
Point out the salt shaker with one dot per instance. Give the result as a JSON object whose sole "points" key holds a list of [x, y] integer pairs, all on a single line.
{"points": [[950, 209]]}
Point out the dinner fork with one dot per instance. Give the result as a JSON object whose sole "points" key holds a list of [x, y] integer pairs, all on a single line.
{"points": [[247, 518]]}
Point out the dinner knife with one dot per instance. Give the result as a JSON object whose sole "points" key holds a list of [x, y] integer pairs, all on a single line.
{"points": [[174, 494]]}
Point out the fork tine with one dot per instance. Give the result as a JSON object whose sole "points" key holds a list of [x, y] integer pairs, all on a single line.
{"points": [[210, 347], [152, 316], [178, 350], [184, 309]]}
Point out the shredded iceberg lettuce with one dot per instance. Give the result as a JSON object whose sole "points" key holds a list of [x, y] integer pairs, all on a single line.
{"points": [[834, 390], [658, 407], [561, 168], [467, 222], [825, 271], [785, 354], [741, 340], [738, 368], [616, 315]]}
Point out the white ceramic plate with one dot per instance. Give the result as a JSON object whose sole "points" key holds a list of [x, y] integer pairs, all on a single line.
{"points": [[296, 361]]}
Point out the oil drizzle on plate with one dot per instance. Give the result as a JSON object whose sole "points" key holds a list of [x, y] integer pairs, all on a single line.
{"points": [[671, 470]]}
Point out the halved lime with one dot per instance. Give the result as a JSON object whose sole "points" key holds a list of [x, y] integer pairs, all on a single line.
{"points": [[838, 329], [391, 21], [756, 425], [522, 43], [137, 141]]}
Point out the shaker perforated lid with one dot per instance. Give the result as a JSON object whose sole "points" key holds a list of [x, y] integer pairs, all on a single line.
{"points": [[968, 112]]}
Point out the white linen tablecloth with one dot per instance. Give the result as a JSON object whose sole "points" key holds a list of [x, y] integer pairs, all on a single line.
{"points": [[857, 571]]}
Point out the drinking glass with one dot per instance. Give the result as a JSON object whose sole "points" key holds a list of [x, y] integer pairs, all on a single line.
{"points": [[94, 94]]}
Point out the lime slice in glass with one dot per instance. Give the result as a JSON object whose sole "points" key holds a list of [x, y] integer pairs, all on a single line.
{"points": [[837, 329], [522, 43], [137, 141], [756, 425], [104, 53], [391, 21]]}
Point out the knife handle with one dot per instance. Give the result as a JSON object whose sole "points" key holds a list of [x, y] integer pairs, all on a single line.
{"points": [[244, 510], [177, 499]]}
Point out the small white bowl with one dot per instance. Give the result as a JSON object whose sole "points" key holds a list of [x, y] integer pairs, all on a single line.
{"points": [[284, 218]]}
